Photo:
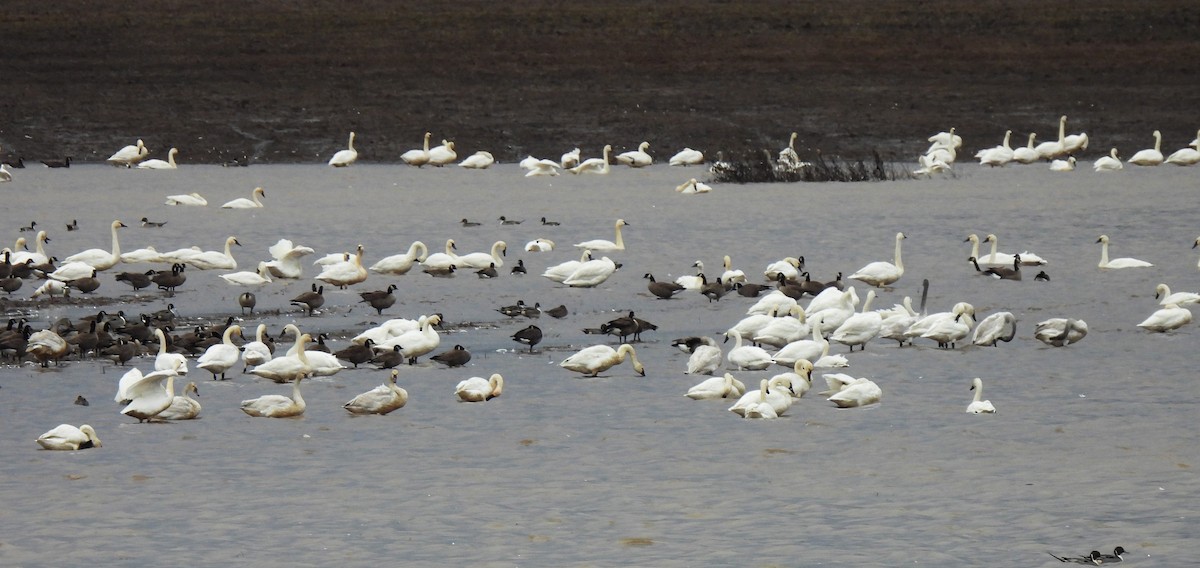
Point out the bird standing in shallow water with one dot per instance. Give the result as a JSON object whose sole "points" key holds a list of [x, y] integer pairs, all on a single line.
{"points": [[530, 336], [247, 301]]}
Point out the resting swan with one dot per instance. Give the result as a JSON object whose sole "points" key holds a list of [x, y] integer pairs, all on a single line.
{"points": [[746, 357], [129, 155], [997, 156], [716, 387], [68, 437], [1167, 318], [418, 157], [482, 259], [560, 272], [260, 277], [1058, 332], [478, 389], [1026, 154], [977, 405], [1151, 156], [442, 259], [379, 400], [291, 367], [1000, 326], [591, 273], [345, 157], [880, 274], [276, 405], [592, 361], [594, 165], [1109, 163], [775, 392], [346, 273], [1187, 156], [243, 203], [704, 359], [100, 259], [859, 328], [1047, 150], [603, 245], [1066, 165], [193, 199], [159, 164], [1117, 262], [183, 407], [401, 263], [214, 260], [636, 158], [861, 392], [478, 161], [442, 155], [1163, 293], [687, 157]]}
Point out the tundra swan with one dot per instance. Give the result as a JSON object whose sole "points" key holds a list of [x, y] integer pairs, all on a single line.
{"points": [[705, 359], [483, 259], [560, 272], [287, 259], [150, 396], [343, 158], [418, 157], [570, 159], [479, 389], [636, 158], [1000, 326], [774, 392], [714, 387], [746, 357], [861, 392], [159, 164], [1117, 262], [591, 273], [1066, 165], [401, 263], [592, 361], [687, 157], [880, 273], [478, 161], [129, 155], [977, 405], [1187, 156], [166, 360], [183, 407], [1052, 149], [194, 199], [244, 203], [346, 273], [442, 155], [277, 405], [1163, 293], [223, 356], [594, 165], [603, 245], [100, 259], [859, 328], [379, 400], [1167, 318], [1151, 156], [1109, 163], [68, 437], [1026, 154], [1059, 332], [998, 155]]}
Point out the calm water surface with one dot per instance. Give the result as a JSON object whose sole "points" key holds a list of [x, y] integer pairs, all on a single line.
{"points": [[1093, 446]]}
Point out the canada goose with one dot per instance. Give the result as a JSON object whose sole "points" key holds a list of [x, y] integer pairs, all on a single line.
{"points": [[519, 269], [557, 313], [357, 353], [311, 300], [379, 299], [247, 300], [489, 272], [456, 357], [714, 291], [138, 280], [1005, 273], [530, 336], [749, 290], [664, 290], [389, 358], [169, 280], [58, 163]]}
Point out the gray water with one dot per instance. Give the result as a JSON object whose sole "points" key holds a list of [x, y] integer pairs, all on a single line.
{"points": [[1092, 447]]}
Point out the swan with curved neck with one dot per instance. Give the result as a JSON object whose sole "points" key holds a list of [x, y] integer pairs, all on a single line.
{"points": [[1047, 150], [275, 405], [167, 360], [379, 400], [402, 263], [483, 259], [880, 273], [1027, 154], [1117, 262], [478, 389], [68, 437], [149, 396], [443, 259], [593, 360], [99, 259], [243, 203], [159, 164], [594, 165], [1108, 163], [38, 257], [345, 157], [978, 405], [418, 157], [214, 260], [603, 245], [293, 366], [1151, 156], [1187, 156], [346, 273]]}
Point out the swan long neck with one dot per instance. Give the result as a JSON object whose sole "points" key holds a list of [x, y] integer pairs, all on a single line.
{"points": [[417, 246], [974, 245], [170, 386], [1062, 129], [1032, 136], [619, 242], [1007, 135], [228, 243], [351, 143], [41, 242], [978, 387], [1103, 253], [162, 341], [1157, 141], [299, 400], [866, 307], [427, 135], [899, 262], [496, 250], [116, 244], [995, 245]]}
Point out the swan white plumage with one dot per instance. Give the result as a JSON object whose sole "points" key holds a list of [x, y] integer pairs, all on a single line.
{"points": [[346, 273], [345, 157], [715, 387], [72, 271], [691, 187], [442, 155], [401, 263], [539, 245], [562, 271], [731, 276], [789, 267], [603, 245], [1163, 293], [147, 254], [418, 157], [861, 392], [166, 360], [214, 260], [260, 277], [129, 378], [222, 356], [931, 164], [1167, 318], [775, 392], [287, 257], [1188, 156], [789, 160], [705, 359], [479, 260], [478, 161], [826, 361], [948, 139], [5, 175], [38, 256], [479, 389], [68, 437], [926, 323], [320, 363], [1058, 332], [594, 165], [183, 407], [948, 332], [940, 154], [415, 343], [243, 203], [998, 155], [256, 352], [880, 273], [687, 157], [746, 357], [833, 306], [1000, 326], [995, 258], [379, 400], [442, 259], [690, 282], [591, 273], [194, 199], [291, 367], [780, 331], [169, 164], [636, 158], [1150, 156], [150, 396], [861, 327], [542, 168], [276, 405], [129, 155], [1109, 163], [979, 406], [1117, 262], [750, 325], [592, 361], [1027, 154], [1066, 165], [389, 329], [1051, 149], [570, 159], [101, 259], [775, 300], [1074, 142]]}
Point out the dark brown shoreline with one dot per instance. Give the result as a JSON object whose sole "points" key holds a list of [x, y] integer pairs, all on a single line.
{"points": [[285, 82]]}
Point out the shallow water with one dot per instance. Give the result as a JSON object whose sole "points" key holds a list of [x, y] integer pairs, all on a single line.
{"points": [[1093, 445]]}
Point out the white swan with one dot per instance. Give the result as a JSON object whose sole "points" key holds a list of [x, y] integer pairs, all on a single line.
{"points": [[147, 254], [832, 307], [5, 175], [690, 282], [781, 331], [320, 363], [979, 406], [789, 160], [166, 360], [746, 357], [128, 379], [483, 259], [542, 168], [416, 342], [880, 273], [389, 329], [478, 161], [1163, 293], [636, 158], [570, 159], [193, 199], [129, 155], [260, 277], [939, 157], [995, 258], [1151, 156], [948, 139], [214, 260], [603, 245], [183, 407], [149, 396], [442, 155], [692, 187], [1117, 262], [346, 273], [256, 352], [1027, 154], [1059, 332], [379, 400], [1074, 142], [287, 257], [68, 437], [592, 361], [789, 267], [1000, 326], [418, 157], [776, 300], [594, 165], [159, 164], [223, 356], [276, 405], [1066, 165], [291, 367], [774, 392], [1047, 150], [713, 388], [243, 203], [997, 156], [948, 332], [687, 157], [560, 272], [731, 276], [1109, 163], [800, 377], [803, 349], [1188, 156], [1169, 317], [401, 263], [704, 360], [101, 259], [861, 327], [539, 245], [861, 392], [442, 259], [925, 324], [39, 255], [479, 389], [345, 157], [591, 273]]}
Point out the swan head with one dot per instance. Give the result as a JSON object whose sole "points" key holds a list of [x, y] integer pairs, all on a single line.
{"points": [[191, 388], [1196, 243], [232, 241], [900, 236], [621, 223], [803, 367], [972, 238], [497, 384], [91, 434], [118, 224], [1104, 239], [977, 384]]}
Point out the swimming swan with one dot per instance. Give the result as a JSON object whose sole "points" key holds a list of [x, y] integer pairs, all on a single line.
{"points": [[68, 437], [1187, 156], [978, 406], [1150, 156], [276, 405], [243, 203], [291, 367], [478, 389], [861, 392], [401, 263], [1004, 259], [1167, 318], [636, 158], [603, 245], [998, 155], [687, 157], [880, 273], [1117, 262], [594, 165], [592, 361], [345, 157], [194, 199], [100, 259], [1066, 165], [1109, 163], [442, 259], [183, 407], [379, 400], [159, 164]]}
